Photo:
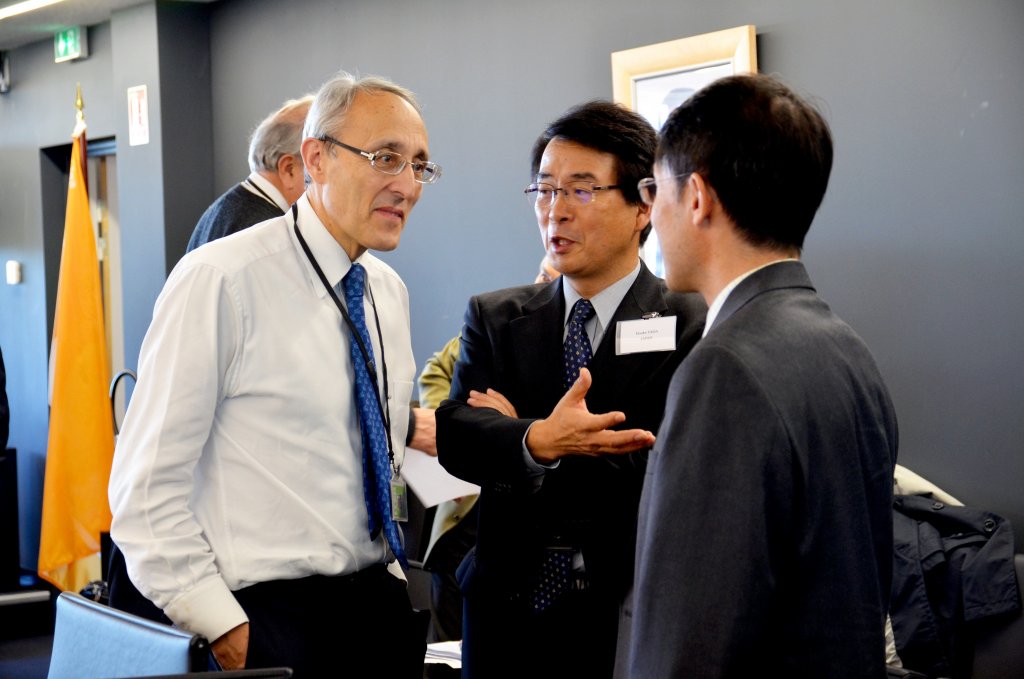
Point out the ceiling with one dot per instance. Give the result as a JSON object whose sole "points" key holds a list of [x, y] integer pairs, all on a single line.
{"points": [[41, 24]]}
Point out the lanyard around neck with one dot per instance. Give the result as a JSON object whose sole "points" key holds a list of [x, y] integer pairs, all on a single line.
{"points": [[385, 410], [264, 194]]}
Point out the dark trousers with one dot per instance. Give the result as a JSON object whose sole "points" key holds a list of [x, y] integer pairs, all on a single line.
{"points": [[123, 594], [575, 637], [342, 626]]}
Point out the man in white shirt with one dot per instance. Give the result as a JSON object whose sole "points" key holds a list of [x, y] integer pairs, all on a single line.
{"points": [[275, 180], [764, 542], [240, 495]]}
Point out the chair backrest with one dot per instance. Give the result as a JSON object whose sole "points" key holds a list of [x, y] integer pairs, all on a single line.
{"points": [[999, 641], [91, 640]]}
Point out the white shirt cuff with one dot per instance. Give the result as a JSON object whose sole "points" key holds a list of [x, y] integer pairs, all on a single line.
{"points": [[209, 609], [532, 466]]}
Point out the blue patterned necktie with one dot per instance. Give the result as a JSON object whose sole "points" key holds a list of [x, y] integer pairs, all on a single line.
{"points": [[554, 577], [576, 350], [376, 465]]}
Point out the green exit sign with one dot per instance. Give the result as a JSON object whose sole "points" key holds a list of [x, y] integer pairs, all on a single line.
{"points": [[71, 43]]}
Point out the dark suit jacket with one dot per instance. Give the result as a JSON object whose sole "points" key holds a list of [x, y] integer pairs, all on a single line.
{"points": [[765, 532], [512, 342]]}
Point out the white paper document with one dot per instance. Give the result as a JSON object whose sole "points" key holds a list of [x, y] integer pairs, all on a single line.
{"points": [[447, 652], [431, 483]]}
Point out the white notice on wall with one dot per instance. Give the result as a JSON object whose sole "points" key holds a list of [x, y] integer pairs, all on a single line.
{"points": [[138, 116]]}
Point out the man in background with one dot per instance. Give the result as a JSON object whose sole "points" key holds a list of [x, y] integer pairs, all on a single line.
{"points": [[256, 477], [559, 485], [274, 183], [765, 532]]}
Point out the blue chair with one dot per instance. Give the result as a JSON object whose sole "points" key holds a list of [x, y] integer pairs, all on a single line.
{"points": [[91, 640]]}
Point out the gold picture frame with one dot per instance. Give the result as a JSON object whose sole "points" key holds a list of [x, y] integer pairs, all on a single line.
{"points": [[732, 47], [654, 79]]}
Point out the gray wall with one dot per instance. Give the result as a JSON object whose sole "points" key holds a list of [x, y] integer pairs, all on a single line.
{"points": [[166, 184], [917, 245], [164, 45], [38, 112]]}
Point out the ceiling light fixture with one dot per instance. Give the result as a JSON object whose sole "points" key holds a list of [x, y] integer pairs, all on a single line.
{"points": [[27, 6]]}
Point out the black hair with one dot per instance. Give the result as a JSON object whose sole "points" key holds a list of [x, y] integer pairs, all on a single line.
{"points": [[609, 128], [765, 152]]}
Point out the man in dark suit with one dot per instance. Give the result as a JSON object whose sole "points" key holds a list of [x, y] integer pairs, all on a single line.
{"points": [[557, 516], [765, 536]]}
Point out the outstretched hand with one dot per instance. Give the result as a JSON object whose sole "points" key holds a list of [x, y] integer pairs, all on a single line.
{"points": [[571, 429]]}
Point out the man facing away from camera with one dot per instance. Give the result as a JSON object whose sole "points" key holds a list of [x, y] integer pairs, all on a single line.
{"points": [[275, 180], [765, 535]]}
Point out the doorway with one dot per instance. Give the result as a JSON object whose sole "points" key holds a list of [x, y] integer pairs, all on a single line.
{"points": [[101, 169]]}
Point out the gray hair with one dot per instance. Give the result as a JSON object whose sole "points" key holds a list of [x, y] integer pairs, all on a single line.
{"points": [[279, 135], [335, 96]]}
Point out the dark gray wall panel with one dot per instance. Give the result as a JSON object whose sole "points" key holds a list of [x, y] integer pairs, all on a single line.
{"points": [[184, 58]]}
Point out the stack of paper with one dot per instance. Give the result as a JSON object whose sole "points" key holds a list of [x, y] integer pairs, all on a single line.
{"points": [[447, 652], [431, 483]]}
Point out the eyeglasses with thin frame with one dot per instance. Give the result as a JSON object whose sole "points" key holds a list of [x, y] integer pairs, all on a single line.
{"points": [[649, 187], [391, 162], [542, 194]]}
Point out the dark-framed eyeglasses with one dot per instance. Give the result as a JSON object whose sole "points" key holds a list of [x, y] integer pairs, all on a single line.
{"points": [[391, 162], [649, 187], [542, 194]]}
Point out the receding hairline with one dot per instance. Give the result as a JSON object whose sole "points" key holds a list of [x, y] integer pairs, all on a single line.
{"points": [[341, 90], [291, 108]]}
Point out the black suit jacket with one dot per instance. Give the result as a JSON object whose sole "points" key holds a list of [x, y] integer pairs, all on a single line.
{"points": [[765, 531], [512, 342]]}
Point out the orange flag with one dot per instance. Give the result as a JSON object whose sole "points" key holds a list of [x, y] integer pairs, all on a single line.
{"points": [[81, 441]]}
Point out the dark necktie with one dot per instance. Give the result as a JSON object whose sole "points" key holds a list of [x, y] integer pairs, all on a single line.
{"points": [[554, 577], [576, 350], [376, 465]]}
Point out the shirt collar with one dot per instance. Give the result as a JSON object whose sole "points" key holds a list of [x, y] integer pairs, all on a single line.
{"points": [[329, 254], [605, 302], [264, 184], [716, 306]]}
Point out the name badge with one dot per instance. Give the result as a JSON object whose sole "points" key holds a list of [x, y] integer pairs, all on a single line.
{"points": [[644, 335], [399, 499]]}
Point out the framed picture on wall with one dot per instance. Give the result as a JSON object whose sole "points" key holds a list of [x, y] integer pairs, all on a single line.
{"points": [[654, 79]]}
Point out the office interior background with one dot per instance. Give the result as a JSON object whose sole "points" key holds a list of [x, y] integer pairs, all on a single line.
{"points": [[919, 243]]}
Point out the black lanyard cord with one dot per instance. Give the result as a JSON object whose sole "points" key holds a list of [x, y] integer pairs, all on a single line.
{"points": [[385, 412], [263, 193]]}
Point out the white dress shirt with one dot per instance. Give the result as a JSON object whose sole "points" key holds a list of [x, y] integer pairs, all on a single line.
{"points": [[240, 458], [605, 304]]}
